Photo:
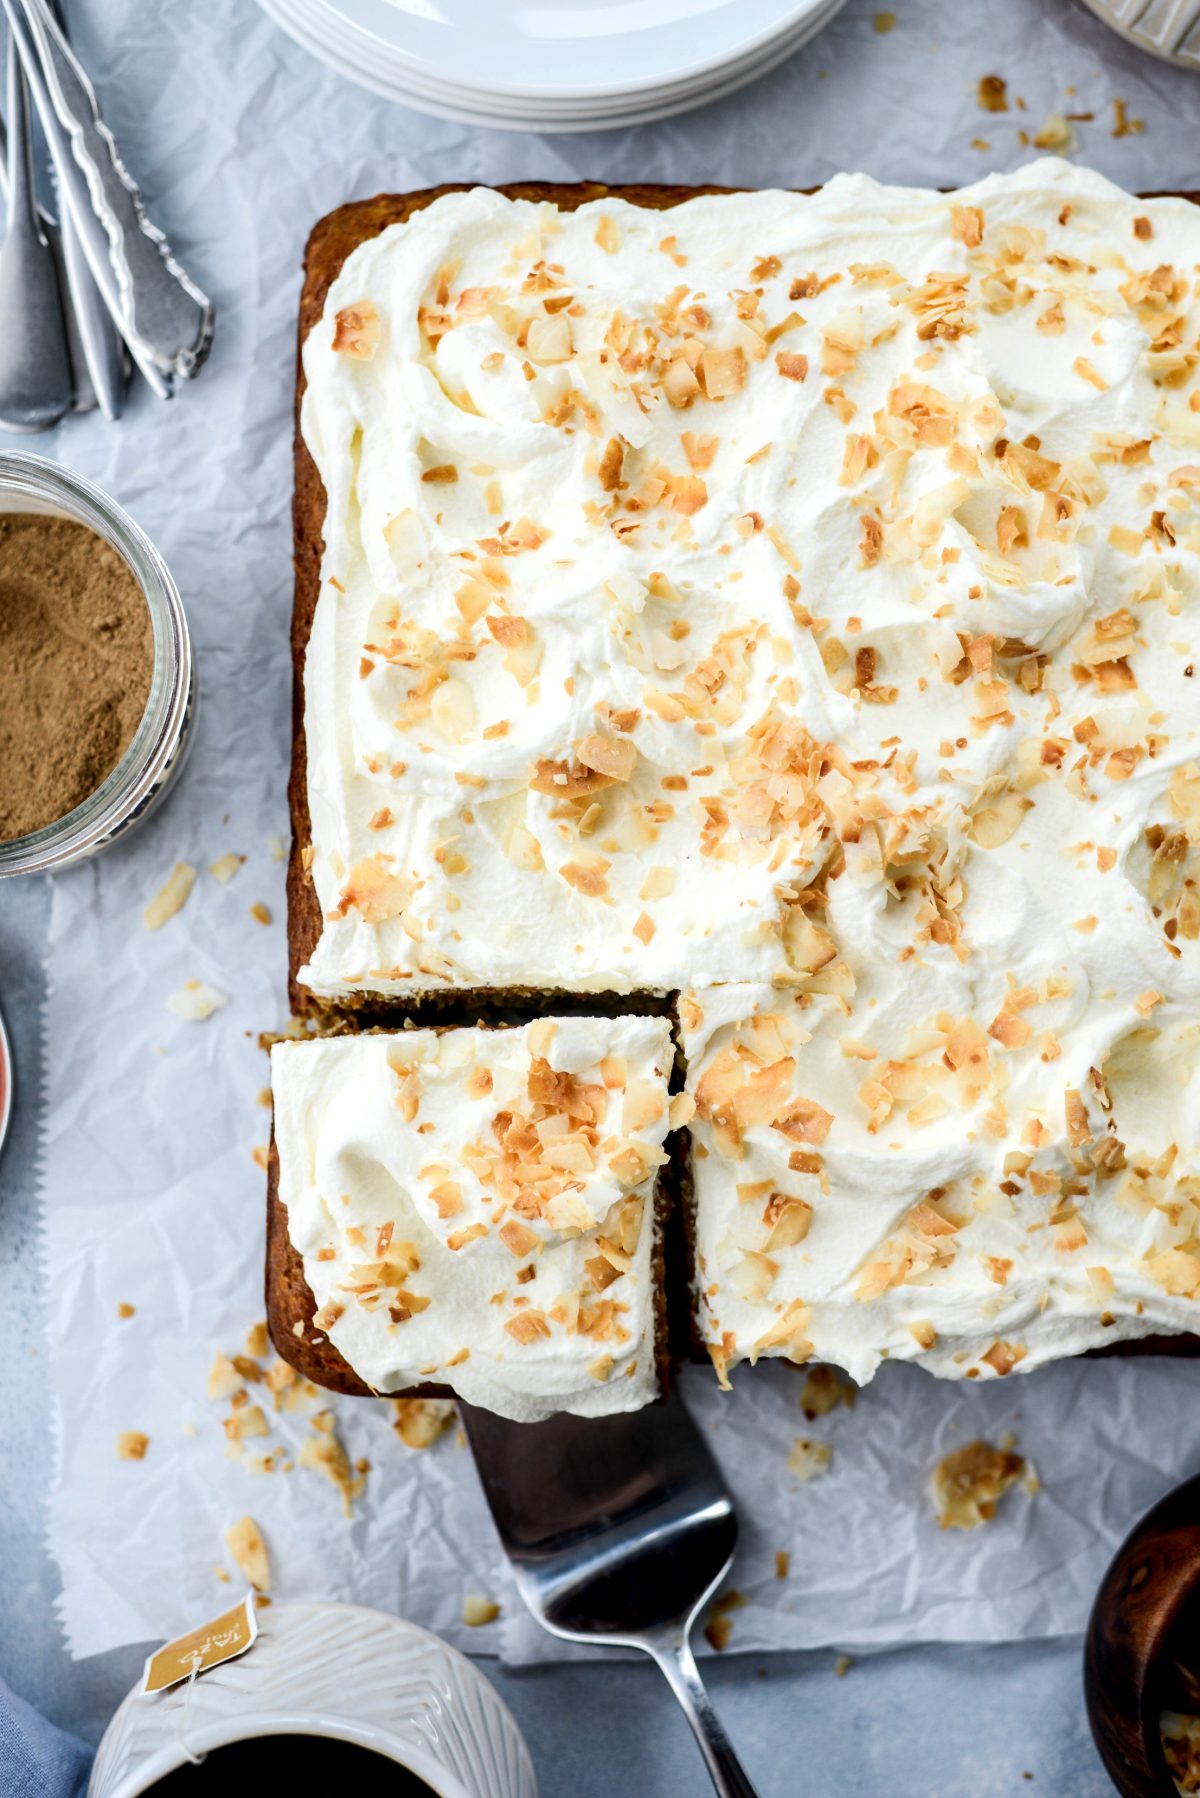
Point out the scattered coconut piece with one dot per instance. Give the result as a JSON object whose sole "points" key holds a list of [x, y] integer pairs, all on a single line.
{"points": [[969, 1483], [225, 867], [719, 1628], [244, 1542], [809, 1459], [478, 1611], [824, 1390], [420, 1421], [322, 1452], [132, 1445], [195, 1001], [170, 897]]}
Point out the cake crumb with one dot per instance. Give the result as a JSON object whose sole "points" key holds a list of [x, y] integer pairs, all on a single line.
{"points": [[132, 1445], [993, 93], [1123, 125], [125, 1310], [718, 1628], [843, 1665], [885, 22], [260, 912], [257, 1341], [783, 1563]]}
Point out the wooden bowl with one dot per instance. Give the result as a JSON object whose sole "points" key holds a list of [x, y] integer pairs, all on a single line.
{"points": [[1133, 1638]]}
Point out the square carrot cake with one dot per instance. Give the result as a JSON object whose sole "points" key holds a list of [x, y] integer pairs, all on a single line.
{"points": [[476, 1209], [790, 602]]}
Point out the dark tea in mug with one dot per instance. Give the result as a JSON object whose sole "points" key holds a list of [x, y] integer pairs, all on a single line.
{"points": [[315, 1763]]}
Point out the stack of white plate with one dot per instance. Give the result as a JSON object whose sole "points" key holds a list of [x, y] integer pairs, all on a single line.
{"points": [[552, 65]]}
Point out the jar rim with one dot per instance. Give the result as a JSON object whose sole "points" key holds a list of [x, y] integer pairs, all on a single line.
{"points": [[85, 827]]}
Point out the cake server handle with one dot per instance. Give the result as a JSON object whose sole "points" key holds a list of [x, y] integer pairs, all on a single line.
{"points": [[163, 316], [672, 1650]]}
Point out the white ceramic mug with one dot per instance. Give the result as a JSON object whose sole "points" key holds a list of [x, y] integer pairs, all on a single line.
{"points": [[333, 1670]]}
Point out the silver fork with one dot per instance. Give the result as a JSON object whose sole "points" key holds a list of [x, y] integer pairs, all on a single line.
{"points": [[618, 1529]]}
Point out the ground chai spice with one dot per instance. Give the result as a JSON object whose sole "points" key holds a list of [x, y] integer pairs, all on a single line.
{"points": [[76, 657]]}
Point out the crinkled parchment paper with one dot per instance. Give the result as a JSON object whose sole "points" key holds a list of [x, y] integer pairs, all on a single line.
{"points": [[151, 1193]]}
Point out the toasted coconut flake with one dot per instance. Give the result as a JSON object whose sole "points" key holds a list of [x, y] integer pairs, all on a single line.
{"points": [[322, 1452], [808, 1459], [969, 1483], [478, 1611], [823, 1391], [132, 1445], [723, 372], [358, 331], [195, 1001], [226, 866], [420, 1421], [375, 891], [171, 896], [244, 1541]]}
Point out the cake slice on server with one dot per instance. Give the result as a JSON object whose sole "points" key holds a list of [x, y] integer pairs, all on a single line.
{"points": [[474, 1211]]}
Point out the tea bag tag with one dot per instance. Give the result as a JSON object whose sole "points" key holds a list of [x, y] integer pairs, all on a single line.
{"points": [[208, 1646]]}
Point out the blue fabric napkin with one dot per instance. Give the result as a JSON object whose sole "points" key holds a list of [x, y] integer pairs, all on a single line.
{"points": [[37, 1760]]}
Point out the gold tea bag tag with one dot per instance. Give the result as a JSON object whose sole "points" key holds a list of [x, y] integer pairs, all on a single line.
{"points": [[188, 1656]]}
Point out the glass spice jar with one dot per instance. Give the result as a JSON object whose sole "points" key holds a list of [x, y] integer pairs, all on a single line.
{"points": [[156, 754]]}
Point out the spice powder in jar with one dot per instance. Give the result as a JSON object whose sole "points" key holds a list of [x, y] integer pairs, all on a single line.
{"points": [[76, 659]]}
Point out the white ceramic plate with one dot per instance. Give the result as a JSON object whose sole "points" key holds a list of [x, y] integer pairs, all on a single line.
{"points": [[370, 65], [376, 60], [594, 49], [354, 50], [1167, 28]]}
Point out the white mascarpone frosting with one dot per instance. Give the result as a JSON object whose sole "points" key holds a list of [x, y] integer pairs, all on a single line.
{"points": [[898, 1176], [475, 1208], [795, 600]]}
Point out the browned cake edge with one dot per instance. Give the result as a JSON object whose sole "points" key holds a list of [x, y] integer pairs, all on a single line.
{"points": [[331, 241]]}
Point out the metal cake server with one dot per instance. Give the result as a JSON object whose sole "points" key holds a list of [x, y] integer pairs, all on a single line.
{"points": [[36, 387], [618, 1529], [163, 316]]}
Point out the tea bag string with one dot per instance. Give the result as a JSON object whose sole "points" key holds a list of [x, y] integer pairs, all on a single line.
{"points": [[181, 1715]]}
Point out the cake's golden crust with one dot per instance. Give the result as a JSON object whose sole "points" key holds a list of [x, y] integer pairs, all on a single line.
{"points": [[331, 241]]}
